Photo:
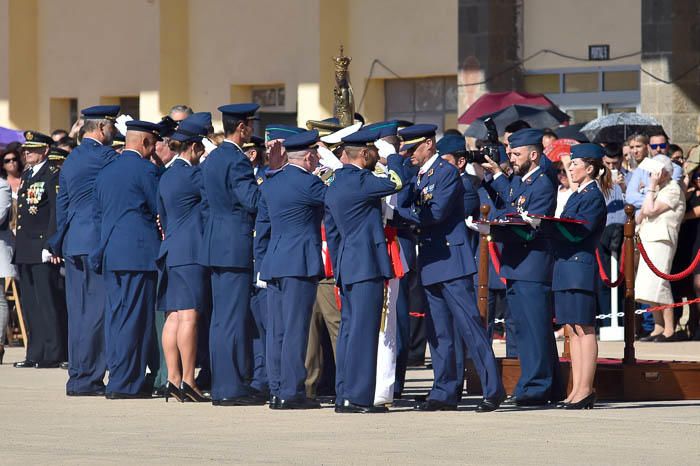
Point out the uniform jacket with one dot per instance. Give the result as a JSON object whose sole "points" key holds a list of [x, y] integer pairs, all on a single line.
{"points": [[292, 200], [404, 228], [182, 214], [353, 200], [434, 202], [263, 230], [472, 209], [575, 265], [36, 213], [528, 259], [231, 195], [77, 228], [126, 211]]}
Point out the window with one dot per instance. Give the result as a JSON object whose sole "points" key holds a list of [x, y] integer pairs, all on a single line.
{"points": [[542, 83], [268, 96], [129, 106], [582, 115], [621, 81], [581, 82], [422, 100]]}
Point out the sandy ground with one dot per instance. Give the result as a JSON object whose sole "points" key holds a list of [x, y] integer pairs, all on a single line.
{"points": [[41, 425]]}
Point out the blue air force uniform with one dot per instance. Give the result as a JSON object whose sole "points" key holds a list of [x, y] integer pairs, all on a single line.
{"points": [[231, 195], [292, 200], [361, 266], [434, 201], [129, 243], [78, 233], [258, 299], [527, 261], [574, 282]]}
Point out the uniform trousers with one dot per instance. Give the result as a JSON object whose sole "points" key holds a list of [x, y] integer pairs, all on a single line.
{"points": [[44, 305], [85, 299], [325, 314], [290, 304], [258, 307], [358, 339], [129, 330], [530, 305], [452, 304], [229, 335]]}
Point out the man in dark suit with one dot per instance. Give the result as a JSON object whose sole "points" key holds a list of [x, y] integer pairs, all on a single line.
{"points": [[231, 194], [129, 243], [292, 200], [77, 235], [434, 201], [361, 266], [40, 287]]}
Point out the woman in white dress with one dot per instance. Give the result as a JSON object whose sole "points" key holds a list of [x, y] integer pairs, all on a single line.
{"points": [[659, 221]]}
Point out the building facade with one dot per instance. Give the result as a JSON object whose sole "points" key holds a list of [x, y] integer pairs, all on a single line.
{"points": [[423, 61]]}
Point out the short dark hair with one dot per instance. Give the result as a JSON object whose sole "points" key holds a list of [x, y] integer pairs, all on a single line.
{"points": [[657, 132], [67, 141], [613, 150], [59, 131], [549, 132], [674, 148], [231, 123], [453, 132], [517, 126]]}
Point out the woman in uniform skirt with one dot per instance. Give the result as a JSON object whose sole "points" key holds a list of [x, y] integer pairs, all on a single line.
{"points": [[183, 281], [575, 278]]}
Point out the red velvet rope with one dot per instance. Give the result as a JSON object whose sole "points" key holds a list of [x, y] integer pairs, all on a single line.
{"points": [[666, 276], [671, 306], [496, 260], [604, 276]]}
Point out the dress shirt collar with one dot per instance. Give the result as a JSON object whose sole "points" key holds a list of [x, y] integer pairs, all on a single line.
{"points": [[426, 166]]}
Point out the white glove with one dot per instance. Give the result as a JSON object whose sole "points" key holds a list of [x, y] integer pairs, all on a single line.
{"points": [[259, 283], [384, 148], [208, 146], [532, 221], [328, 159], [120, 123], [45, 256], [482, 228]]}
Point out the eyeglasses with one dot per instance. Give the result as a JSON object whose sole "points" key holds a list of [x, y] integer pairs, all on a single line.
{"points": [[663, 145], [13, 159]]}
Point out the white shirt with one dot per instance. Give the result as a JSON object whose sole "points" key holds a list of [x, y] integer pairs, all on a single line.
{"points": [[528, 174], [580, 188], [37, 167], [177, 157], [426, 166], [231, 142]]}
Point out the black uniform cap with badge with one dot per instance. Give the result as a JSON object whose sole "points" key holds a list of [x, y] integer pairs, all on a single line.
{"points": [[35, 140]]}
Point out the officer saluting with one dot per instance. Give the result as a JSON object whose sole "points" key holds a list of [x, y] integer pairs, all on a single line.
{"points": [[293, 202], [361, 266], [39, 278], [231, 194], [77, 235]]}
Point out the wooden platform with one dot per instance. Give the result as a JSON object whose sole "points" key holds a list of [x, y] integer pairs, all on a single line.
{"points": [[642, 381]]}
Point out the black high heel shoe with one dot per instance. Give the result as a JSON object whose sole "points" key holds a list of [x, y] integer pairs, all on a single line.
{"points": [[192, 395], [586, 403], [172, 390]]}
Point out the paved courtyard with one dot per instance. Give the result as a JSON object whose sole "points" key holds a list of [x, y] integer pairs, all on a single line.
{"points": [[41, 426]]}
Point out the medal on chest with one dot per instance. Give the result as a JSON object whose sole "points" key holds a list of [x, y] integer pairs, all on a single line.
{"points": [[520, 204], [34, 194], [427, 193]]}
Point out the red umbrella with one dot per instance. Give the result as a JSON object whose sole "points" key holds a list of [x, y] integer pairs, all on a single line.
{"points": [[558, 148], [495, 101]]}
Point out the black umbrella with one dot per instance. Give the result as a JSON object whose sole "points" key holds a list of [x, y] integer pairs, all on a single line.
{"points": [[617, 127], [536, 117], [571, 132]]}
